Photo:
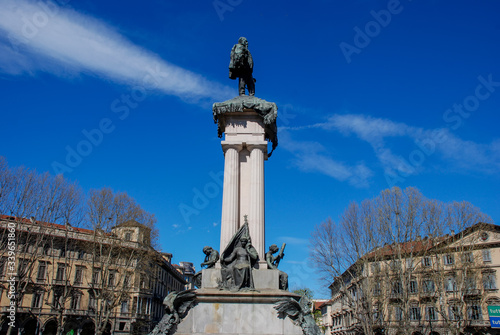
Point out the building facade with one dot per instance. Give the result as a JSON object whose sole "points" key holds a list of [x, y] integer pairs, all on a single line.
{"points": [[431, 286], [86, 281]]}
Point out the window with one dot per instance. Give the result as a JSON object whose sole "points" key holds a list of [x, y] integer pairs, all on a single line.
{"points": [[46, 250], [75, 301], [23, 267], [454, 312], [95, 276], [122, 326], [470, 282], [81, 254], [111, 278], [474, 312], [448, 259], [375, 267], [427, 261], [124, 306], [413, 286], [468, 257], [126, 281], [61, 272], [489, 281], [397, 288], [37, 300], [57, 300], [377, 288], [451, 284], [92, 302], [42, 266], [376, 314], [430, 313], [79, 275], [409, 263], [396, 265], [415, 313], [428, 285], [128, 236], [3, 263], [398, 313], [486, 255]]}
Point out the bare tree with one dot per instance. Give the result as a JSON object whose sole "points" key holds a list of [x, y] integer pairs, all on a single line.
{"points": [[44, 209], [32, 200], [109, 287], [373, 255]]}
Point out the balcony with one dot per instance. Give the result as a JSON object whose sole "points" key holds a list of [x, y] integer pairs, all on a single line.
{"points": [[77, 312], [479, 323], [396, 295], [27, 310], [79, 284], [470, 292], [63, 282], [428, 294]]}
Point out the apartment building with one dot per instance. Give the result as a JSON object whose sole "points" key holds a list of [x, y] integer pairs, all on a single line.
{"points": [[430, 286], [80, 279]]}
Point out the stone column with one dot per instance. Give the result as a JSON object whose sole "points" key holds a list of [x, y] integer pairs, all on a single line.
{"points": [[230, 195], [256, 215]]}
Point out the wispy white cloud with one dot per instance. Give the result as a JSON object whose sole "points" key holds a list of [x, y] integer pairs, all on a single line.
{"points": [[42, 36], [378, 132], [312, 156]]}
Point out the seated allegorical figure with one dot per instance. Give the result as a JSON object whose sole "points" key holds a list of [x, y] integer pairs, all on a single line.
{"points": [[240, 265], [237, 262]]}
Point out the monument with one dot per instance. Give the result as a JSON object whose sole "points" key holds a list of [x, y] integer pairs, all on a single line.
{"points": [[241, 291]]}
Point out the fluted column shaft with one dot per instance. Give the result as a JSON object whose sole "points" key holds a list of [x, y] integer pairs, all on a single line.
{"points": [[230, 195], [256, 216]]}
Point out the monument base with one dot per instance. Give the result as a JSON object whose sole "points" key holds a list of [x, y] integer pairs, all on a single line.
{"points": [[263, 279], [228, 313]]}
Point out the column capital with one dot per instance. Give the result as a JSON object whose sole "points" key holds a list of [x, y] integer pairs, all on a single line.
{"points": [[231, 145], [262, 146], [257, 145]]}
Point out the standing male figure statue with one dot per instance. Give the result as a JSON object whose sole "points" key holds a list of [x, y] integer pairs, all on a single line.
{"points": [[241, 66]]}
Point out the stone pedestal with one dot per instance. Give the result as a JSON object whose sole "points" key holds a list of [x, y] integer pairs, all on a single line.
{"points": [[263, 279], [226, 313]]}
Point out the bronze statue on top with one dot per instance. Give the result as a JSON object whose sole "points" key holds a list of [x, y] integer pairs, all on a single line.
{"points": [[241, 66]]}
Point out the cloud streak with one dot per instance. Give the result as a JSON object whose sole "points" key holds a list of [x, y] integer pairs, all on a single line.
{"points": [[462, 155], [451, 153], [313, 157], [47, 37]]}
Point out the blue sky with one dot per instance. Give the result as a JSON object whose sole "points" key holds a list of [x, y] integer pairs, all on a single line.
{"points": [[371, 94]]}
